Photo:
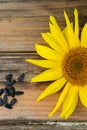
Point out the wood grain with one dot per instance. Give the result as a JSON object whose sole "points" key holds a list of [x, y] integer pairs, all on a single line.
{"points": [[41, 127], [21, 24], [15, 63], [27, 108]]}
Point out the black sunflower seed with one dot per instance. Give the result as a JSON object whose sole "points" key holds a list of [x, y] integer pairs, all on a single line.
{"points": [[12, 91], [21, 77], [1, 102], [13, 101], [13, 82], [1, 91], [19, 93], [6, 91], [8, 106], [5, 99], [10, 83], [8, 77]]}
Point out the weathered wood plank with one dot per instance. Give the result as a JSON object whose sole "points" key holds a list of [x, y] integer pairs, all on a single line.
{"points": [[41, 127], [20, 34], [15, 63], [27, 108], [32, 5], [21, 24]]}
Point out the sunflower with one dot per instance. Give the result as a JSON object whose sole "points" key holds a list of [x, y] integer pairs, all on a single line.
{"points": [[65, 60]]}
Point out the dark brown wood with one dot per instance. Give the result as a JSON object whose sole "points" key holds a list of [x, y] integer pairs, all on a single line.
{"points": [[42, 127], [21, 22], [15, 63], [27, 108]]}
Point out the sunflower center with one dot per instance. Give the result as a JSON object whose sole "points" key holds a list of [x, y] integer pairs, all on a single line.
{"points": [[74, 66]]}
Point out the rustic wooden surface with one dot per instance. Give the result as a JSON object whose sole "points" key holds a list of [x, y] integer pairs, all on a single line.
{"points": [[21, 22]]}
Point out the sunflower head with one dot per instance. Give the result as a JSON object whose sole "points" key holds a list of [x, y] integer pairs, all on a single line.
{"points": [[65, 60], [74, 66]]}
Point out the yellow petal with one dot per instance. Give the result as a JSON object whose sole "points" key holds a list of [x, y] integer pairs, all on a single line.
{"points": [[52, 43], [65, 33], [48, 75], [58, 36], [84, 36], [53, 21], [76, 23], [45, 63], [61, 98], [69, 100], [85, 89], [48, 53], [83, 96], [52, 88], [72, 108], [73, 40]]}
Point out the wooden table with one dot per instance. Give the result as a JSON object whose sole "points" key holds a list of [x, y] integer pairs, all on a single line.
{"points": [[21, 22]]}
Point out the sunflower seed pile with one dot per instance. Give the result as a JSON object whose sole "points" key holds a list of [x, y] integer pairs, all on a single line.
{"points": [[10, 90]]}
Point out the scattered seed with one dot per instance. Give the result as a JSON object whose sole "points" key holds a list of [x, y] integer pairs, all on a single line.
{"points": [[1, 102], [8, 106], [19, 93], [1, 91], [10, 83], [8, 77], [13, 101], [21, 77], [13, 82], [5, 99], [12, 91], [6, 91], [9, 90]]}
